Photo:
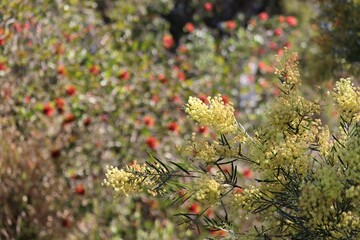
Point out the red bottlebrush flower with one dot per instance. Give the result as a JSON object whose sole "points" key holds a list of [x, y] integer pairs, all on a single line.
{"points": [[2, 41], [70, 90], [273, 45], [69, 118], [27, 99], [94, 70], [149, 121], [219, 233], [203, 98], [48, 110], [174, 127], [287, 45], [152, 142], [203, 129], [175, 99], [124, 75], [168, 41], [262, 66], [291, 20], [181, 76], [3, 66], [87, 121], [189, 27], [263, 83], [17, 27], [247, 173], [281, 19], [208, 6], [225, 99], [80, 190], [61, 70], [194, 208], [162, 78], [263, 16], [60, 103], [278, 32], [230, 25], [239, 190], [155, 99], [210, 213], [183, 49]]}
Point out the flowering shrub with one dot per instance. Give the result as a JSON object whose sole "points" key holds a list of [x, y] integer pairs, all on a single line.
{"points": [[307, 182]]}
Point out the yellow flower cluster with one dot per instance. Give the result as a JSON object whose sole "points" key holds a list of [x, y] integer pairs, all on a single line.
{"points": [[130, 180], [349, 222], [209, 152], [207, 190], [347, 99], [245, 200], [324, 143], [318, 197], [350, 155], [288, 72], [217, 115]]}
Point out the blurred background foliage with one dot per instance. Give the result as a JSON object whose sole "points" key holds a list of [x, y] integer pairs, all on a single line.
{"points": [[86, 84]]}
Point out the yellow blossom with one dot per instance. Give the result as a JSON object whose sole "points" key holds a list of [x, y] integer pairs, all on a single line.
{"points": [[217, 115]]}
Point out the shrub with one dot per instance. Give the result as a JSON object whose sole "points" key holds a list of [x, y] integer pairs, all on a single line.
{"points": [[307, 180]]}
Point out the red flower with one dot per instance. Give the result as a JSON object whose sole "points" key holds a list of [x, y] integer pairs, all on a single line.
{"points": [[162, 78], [148, 121], [69, 118], [273, 45], [203, 129], [181, 75], [70, 90], [124, 75], [263, 16], [183, 49], [292, 21], [3, 66], [208, 6], [94, 70], [189, 27], [152, 142], [27, 99], [247, 173], [230, 25], [155, 99], [239, 190], [60, 103], [194, 208], [278, 32], [203, 98], [174, 127], [80, 190], [281, 19], [48, 110], [225, 99], [218, 233], [61, 70], [168, 41]]}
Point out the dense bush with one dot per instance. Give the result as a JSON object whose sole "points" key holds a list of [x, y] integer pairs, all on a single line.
{"points": [[307, 183], [85, 84]]}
